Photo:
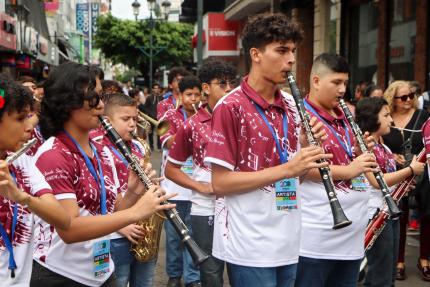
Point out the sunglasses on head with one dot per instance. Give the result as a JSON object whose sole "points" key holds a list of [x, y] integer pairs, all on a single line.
{"points": [[404, 98]]}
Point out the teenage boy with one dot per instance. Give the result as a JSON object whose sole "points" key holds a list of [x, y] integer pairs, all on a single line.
{"points": [[176, 265], [121, 111], [191, 141], [256, 161], [332, 257], [170, 98]]}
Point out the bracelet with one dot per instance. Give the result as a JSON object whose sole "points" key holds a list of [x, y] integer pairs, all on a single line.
{"points": [[413, 173]]}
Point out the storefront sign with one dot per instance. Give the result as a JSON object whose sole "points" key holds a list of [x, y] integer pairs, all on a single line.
{"points": [[7, 32]]}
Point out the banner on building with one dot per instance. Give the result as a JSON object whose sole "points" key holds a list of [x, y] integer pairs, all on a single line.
{"points": [[86, 22]]}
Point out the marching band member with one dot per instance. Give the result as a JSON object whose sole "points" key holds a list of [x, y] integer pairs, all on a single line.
{"points": [[18, 182], [373, 116], [84, 179], [189, 89], [191, 141], [255, 156], [171, 98], [332, 257], [121, 111]]}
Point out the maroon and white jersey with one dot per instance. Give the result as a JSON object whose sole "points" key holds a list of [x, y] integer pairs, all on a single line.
{"points": [[385, 159], [29, 179], [176, 118], [191, 140], [165, 105], [318, 239], [40, 140], [255, 232], [426, 140], [64, 168], [121, 165]]}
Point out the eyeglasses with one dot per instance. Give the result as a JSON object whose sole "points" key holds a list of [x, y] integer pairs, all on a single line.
{"points": [[223, 84], [404, 98], [93, 99]]}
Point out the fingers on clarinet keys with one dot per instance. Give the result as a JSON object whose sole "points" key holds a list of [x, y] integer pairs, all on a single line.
{"points": [[318, 130]]}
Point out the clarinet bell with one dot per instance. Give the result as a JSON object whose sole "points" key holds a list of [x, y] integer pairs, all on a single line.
{"points": [[339, 218], [393, 209], [197, 254]]}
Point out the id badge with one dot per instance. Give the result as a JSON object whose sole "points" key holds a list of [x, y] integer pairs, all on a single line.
{"points": [[187, 168], [359, 183], [101, 255], [286, 194]]}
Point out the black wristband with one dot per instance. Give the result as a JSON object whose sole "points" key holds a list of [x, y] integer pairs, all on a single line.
{"points": [[413, 173]]}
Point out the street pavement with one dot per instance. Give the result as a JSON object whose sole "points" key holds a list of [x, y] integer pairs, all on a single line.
{"points": [[412, 252]]}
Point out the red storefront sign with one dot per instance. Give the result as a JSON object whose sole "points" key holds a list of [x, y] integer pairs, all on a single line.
{"points": [[220, 36], [7, 32]]}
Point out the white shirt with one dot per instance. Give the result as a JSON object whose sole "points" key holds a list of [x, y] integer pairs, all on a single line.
{"points": [[318, 239]]}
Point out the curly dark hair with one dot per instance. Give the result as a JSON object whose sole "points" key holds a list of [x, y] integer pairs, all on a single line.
{"points": [[216, 69], [15, 97], [366, 113], [189, 82], [173, 72], [66, 89], [110, 87], [263, 29]]}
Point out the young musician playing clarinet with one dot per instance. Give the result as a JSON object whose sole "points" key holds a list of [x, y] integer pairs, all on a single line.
{"points": [[191, 141], [256, 160], [121, 111], [332, 257], [189, 97], [373, 116], [17, 188], [83, 177]]}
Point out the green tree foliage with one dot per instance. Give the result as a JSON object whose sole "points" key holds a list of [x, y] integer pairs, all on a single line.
{"points": [[120, 40]]}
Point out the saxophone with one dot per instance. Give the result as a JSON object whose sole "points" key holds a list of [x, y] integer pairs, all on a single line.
{"points": [[147, 247]]}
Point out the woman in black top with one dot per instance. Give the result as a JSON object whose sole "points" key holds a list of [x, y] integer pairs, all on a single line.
{"points": [[404, 143]]}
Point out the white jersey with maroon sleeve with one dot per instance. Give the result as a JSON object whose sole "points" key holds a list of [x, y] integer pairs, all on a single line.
{"points": [[191, 141], [175, 118], [258, 229], [318, 239], [65, 170], [23, 235], [426, 139]]}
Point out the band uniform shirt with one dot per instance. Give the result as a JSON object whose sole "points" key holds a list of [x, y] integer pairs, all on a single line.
{"points": [[191, 141], [385, 159], [29, 180], [122, 168], [165, 105], [64, 168], [318, 239], [257, 233], [176, 119], [426, 140]]}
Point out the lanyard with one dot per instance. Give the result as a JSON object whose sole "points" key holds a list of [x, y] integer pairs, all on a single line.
{"points": [[346, 147], [6, 240], [138, 148], [174, 100], [184, 114], [99, 178], [283, 153], [118, 154]]}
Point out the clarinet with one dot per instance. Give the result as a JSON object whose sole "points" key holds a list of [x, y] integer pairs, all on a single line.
{"points": [[198, 255], [378, 222], [339, 218], [22, 150], [393, 210]]}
